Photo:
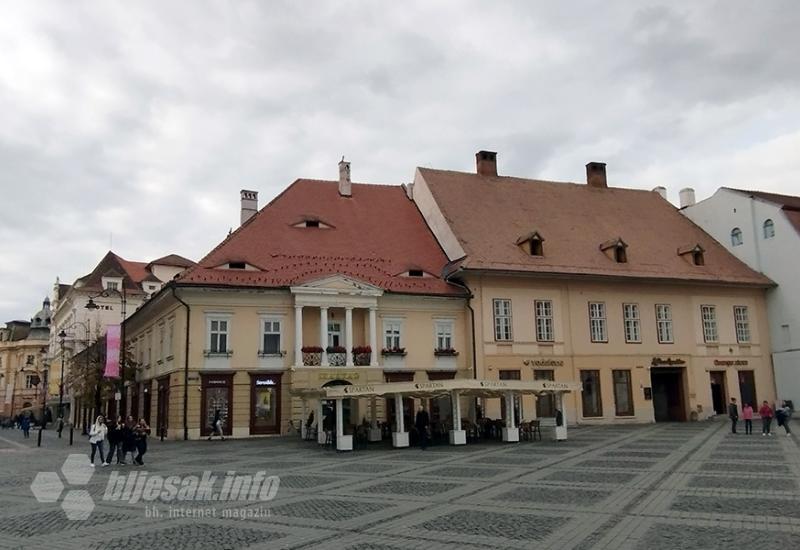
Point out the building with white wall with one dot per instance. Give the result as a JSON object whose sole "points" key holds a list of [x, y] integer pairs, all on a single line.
{"points": [[763, 230]]}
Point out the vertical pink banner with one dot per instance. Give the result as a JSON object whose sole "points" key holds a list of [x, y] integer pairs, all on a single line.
{"points": [[112, 351]]}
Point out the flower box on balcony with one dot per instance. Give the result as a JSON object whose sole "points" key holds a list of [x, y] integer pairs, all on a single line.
{"points": [[445, 352], [217, 353], [337, 356], [362, 356], [312, 356], [393, 351], [262, 353]]}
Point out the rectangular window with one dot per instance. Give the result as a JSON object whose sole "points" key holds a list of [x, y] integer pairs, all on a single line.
{"points": [[218, 336], [590, 397], [597, 321], [664, 323], [391, 334], [502, 320], [709, 315], [162, 332], [148, 352], [742, 324], [630, 314], [544, 320], [623, 393], [444, 335], [334, 334], [170, 336], [112, 285], [29, 378], [271, 337]]}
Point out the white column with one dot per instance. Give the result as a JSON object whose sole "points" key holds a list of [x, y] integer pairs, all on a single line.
{"points": [[400, 436], [373, 336], [343, 442], [320, 429], [348, 334], [323, 334], [561, 431], [457, 435], [374, 431], [298, 336], [510, 432]]}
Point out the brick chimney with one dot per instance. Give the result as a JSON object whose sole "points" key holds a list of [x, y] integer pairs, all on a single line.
{"points": [[249, 205], [596, 174], [345, 185], [486, 163]]}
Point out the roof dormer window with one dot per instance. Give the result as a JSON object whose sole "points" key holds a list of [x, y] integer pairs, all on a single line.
{"points": [[237, 265], [416, 273], [112, 283], [312, 222], [695, 254], [531, 244], [616, 249]]}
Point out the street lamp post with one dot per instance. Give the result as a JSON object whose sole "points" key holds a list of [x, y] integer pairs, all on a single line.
{"points": [[44, 407], [123, 301], [61, 336]]}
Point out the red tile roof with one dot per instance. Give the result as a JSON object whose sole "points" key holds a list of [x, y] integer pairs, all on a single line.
{"points": [[788, 203], [488, 214], [376, 235]]}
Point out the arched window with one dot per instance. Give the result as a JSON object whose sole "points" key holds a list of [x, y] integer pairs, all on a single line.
{"points": [[769, 229], [736, 236]]}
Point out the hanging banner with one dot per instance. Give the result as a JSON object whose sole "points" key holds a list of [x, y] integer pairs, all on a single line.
{"points": [[112, 351]]}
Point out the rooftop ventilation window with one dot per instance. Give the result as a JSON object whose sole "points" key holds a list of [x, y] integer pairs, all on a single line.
{"points": [[616, 249], [237, 265], [531, 244], [416, 273], [693, 253], [312, 223]]}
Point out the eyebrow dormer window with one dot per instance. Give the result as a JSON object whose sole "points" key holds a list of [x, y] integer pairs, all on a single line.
{"points": [[416, 273], [693, 253], [531, 244], [616, 249], [312, 223], [237, 265]]}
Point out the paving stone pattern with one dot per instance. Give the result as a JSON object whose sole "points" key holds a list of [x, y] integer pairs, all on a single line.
{"points": [[654, 487]]}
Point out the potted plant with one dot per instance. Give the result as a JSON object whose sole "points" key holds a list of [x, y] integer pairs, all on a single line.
{"points": [[337, 355], [312, 355], [445, 352], [393, 351], [362, 356]]}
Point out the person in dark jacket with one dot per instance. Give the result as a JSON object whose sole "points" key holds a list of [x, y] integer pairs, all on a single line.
{"points": [[25, 425], [733, 414], [115, 440], [422, 422], [782, 415], [128, 440], [141, 432]]}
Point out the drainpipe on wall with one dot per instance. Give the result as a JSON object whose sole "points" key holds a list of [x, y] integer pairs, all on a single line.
{"points": [[185, 367], [470, 296]]}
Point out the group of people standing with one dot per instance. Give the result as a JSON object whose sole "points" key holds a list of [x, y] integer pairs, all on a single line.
{"points": [[123, 437], [782, 414]]}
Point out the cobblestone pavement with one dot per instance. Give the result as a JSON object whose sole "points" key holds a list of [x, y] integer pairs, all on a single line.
{"points": [[663, 486]]}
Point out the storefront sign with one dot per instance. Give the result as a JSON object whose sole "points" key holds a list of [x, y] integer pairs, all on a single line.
{"points": [[668, 362], [493, 384], [730, 362], [429, 386], [358, 389], [549, 385], [265, 382], [543, 362], [217, 381], [344, 375]]}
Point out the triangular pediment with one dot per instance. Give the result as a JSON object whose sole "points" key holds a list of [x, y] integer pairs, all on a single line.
{"points": [[338, 284]]}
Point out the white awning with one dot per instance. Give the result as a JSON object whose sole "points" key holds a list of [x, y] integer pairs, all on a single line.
{"points": [[475, 388]]}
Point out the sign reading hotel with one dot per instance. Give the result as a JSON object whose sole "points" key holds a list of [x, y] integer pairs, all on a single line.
{"points": [[543, 362]]}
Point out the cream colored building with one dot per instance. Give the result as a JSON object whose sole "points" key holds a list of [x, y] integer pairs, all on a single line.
{"points": [[606, 286], [332, 283]]}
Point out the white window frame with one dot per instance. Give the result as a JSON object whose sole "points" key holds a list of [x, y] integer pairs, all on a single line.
{"points": [[768, 228], [443, 334], [598, 323], [148, 348], [664, 324], [210, 320], [170, 337], [737, 238], [543, 315], [112, 283], [503, 320], [162, 337], [632, 323], [28, 381], [741, 318], [708, 316], [392, 328], [271, 321]]}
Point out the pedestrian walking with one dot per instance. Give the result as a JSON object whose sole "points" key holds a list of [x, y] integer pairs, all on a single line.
{"points": [[60, 426], [25, 425], [97, 434], [783, 414], [216, 426], [733, 414], [422, 422], [747, 416], [141, 433], [765, 412]]}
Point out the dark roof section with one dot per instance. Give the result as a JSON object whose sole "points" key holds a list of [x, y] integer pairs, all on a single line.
{"points": [[375, 235], [172, 260], [489, 213]]}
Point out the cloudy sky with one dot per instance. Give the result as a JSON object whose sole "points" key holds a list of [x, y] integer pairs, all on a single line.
{"points": [[138, 123]]}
